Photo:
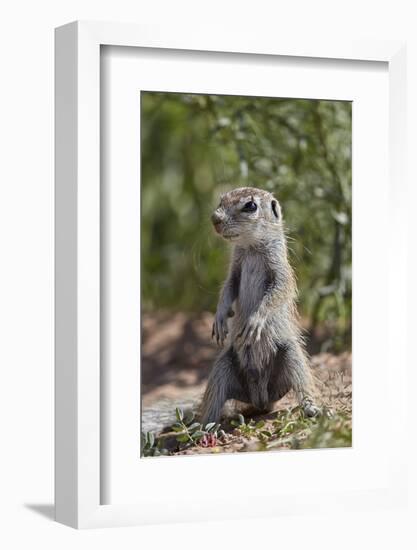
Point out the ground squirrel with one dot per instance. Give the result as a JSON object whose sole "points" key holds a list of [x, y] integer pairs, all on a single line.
{"points": [[256, 319]]}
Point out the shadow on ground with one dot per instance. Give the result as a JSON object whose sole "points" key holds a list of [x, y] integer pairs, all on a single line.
{"points": [[45, 510]]}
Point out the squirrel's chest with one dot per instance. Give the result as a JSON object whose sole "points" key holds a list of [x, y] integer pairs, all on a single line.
{"points": [[252, 281]]}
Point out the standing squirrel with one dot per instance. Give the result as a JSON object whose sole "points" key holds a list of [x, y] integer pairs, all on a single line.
{"points": [[256, 321]]}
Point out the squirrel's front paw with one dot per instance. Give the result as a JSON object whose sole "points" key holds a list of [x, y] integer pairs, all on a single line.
{"points": [[220, 329], [252, 330]]}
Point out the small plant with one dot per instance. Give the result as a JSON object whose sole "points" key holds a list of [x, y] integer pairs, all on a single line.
{"points": [[152, 446], [187, 433], [330, 432], [147, 443], [292, 421], [191, 433], [251, 429]]}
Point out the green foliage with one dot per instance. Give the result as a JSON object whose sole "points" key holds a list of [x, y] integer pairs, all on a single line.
{"points": [[251, 429], [293, 430], [330, 432], [187, 432], [290, 429], [196, 146], [151, 446], [194, 433]]}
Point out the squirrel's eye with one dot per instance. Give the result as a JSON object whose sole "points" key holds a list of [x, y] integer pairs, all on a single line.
{"points": [[250, 207]]}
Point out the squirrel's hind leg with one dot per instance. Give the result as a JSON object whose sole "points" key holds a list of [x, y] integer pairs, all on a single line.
{"points": [[293, 372], [223, 384]]}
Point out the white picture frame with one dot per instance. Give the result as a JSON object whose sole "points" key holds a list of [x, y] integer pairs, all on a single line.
{"points": [[78, 264]]}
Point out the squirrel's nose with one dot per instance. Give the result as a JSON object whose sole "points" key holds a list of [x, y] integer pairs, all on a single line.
{"points": [[216, 219]]}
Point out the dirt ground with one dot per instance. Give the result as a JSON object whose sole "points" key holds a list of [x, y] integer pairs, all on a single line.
{"points": [[177, 354]]}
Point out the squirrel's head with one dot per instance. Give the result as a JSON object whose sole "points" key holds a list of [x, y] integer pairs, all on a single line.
{"points": [[247, 216]]}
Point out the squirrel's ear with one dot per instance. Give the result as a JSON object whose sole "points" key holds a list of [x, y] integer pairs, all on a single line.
{"points": [[276, 209]]}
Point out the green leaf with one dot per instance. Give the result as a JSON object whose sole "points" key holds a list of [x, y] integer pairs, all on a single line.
{"points": [[241, 419], [198, 434], [179, 414], [260, 424], [183, 438], [195, 426], [209, 426], [267, 433], [150, 438], [177, 427]]}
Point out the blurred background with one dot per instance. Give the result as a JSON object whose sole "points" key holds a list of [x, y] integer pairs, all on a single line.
{"points": [[193, 148]]}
